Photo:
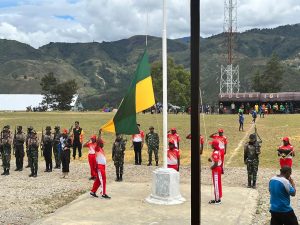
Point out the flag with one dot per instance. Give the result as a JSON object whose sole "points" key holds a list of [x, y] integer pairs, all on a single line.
{"points": [[140, 96]]}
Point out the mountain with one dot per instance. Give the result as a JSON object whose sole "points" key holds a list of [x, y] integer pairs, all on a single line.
{"points": [[104, 70]]}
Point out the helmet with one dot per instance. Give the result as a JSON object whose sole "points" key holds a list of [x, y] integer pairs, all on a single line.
{"points": [[252, 137]]}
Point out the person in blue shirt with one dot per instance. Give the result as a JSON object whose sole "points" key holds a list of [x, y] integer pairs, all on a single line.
{"points": [[281, 187], [254, 115], [241, 121]]}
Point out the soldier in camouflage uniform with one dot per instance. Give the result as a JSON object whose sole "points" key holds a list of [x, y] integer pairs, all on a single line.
{"points": [[152, 141], [6, 142], [29, 133], [251, 159], [19, 140], [33, 151], [118, 152], [56, 148], [47, 143]]}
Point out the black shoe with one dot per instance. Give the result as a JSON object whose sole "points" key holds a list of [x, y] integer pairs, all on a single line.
{"points": [[149, 164], [31, 175], [21, 169], [136, 164], [93, 194], [27, 166], [50, 170], [35, 175], [17, 169], [117, 179], [156, 163], [92, 178], [121, 179], [46, 171], [214, 202], [105, 196], [4, 173], [7, 172]]}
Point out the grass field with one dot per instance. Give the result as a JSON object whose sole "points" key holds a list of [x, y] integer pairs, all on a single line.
{"points": [[271, 129]]}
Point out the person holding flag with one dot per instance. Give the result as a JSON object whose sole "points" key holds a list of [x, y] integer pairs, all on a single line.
{"points": [[286, 153], [91, 145], [100, 180], [216, 170], [222, 144]]}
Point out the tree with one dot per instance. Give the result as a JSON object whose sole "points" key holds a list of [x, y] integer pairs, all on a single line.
{"points": [[57, 96], [256, 82], [272, 77], [64, 93], [178, 83], [48, 84]]}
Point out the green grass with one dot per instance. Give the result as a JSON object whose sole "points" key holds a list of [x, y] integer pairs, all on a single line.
{"points": [[271, 129]]}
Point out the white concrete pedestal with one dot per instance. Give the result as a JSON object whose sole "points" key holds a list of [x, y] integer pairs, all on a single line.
{"points": [[165, 187]]}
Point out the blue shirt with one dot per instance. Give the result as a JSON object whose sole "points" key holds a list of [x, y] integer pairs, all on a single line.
{"points": [[280, 191]]}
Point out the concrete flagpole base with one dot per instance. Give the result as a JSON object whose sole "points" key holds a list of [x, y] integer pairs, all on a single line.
{"points": [[165, 187]]}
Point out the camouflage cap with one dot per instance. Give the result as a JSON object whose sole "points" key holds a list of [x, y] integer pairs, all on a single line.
{"points": [[57, 127], [6, 127], [19, 127], [48, 127]]}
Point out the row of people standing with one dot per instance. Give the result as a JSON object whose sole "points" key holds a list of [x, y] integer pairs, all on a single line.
{"points": [[60, 143]]}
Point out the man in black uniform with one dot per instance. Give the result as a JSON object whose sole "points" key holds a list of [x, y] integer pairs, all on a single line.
{"points": [[56, 147], [19, 139], [47, 142], [77, 138], [29, 133]]}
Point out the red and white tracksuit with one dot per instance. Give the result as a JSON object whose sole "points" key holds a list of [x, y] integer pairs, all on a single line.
{"points": [[288, 160], [173, 156], [216, 174], [101, 173], [175, 137], [222, 142], [92, 158]]}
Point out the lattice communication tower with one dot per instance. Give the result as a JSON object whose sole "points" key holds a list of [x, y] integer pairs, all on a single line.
{"points": [[230, 81]]}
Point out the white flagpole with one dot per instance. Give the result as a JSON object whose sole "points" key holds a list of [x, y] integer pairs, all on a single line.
{"points": [[165, 89]]}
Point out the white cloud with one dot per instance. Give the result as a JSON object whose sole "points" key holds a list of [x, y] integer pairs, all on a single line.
{"points": [[40, 22]]}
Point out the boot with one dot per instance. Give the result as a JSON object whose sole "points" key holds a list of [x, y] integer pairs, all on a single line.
{"points": [[121, 179], [156, 163], [17, 169], [254, 184], [118, 177], [28, 166], [249, 182], [4, 173], [149, 164], [7, 172]]}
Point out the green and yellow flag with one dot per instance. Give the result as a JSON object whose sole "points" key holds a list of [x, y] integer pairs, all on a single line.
{"points": [[139, 97]]}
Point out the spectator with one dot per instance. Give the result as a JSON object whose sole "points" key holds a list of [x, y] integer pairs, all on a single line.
{"points": [[241, 121], [232, 108], [281, 187]]}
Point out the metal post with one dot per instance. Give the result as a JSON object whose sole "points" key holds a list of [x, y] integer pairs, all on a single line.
{"points": [[195, 145], [165, 80]]}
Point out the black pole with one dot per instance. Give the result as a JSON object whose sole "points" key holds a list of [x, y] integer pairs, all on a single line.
{"points": [[195, 145]]}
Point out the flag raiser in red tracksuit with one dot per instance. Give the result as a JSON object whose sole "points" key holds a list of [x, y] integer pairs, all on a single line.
{"points": [[91, 157], [216, 174], [101, 173], [222, 142], [288, 159]]}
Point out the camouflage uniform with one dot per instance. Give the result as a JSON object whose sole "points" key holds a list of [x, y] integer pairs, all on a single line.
{"points": [[152, 141], [251, 159], [19, 140], [6, 142], [118, 156], [33, 150], [47, 143], [56, 148], [28, 136]]}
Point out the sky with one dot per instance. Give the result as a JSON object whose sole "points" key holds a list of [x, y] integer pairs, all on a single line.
{"points": [[38, 22]]}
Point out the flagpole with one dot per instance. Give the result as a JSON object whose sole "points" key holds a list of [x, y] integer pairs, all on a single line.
{"points": [[165, 80]]}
